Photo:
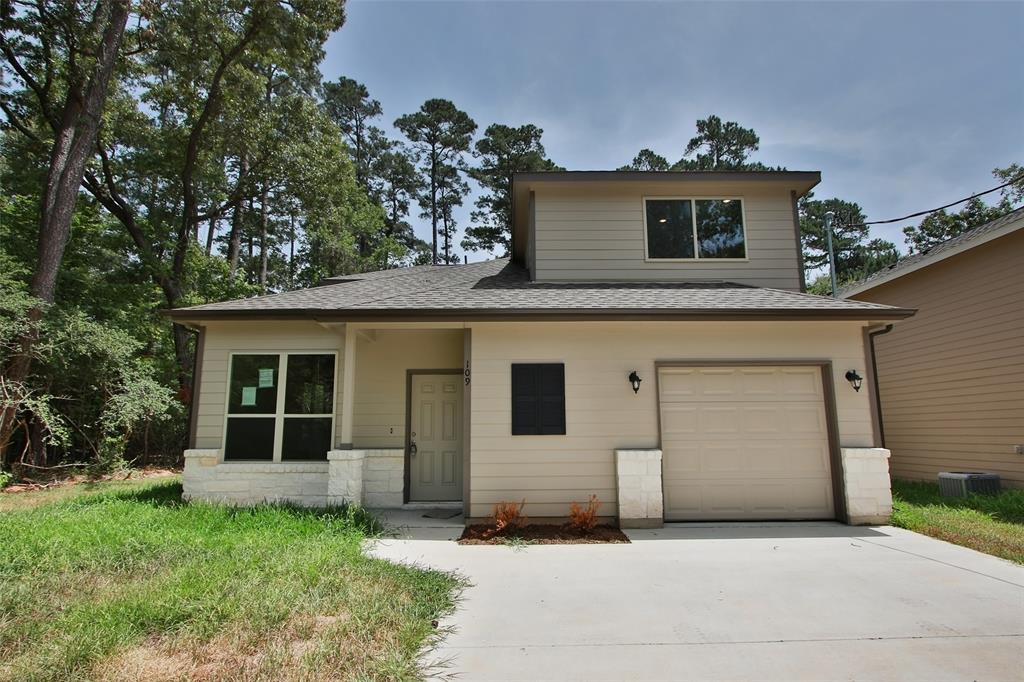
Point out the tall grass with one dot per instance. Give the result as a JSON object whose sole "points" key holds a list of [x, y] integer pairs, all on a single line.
{"points": [[993, 524], [134, 582]]}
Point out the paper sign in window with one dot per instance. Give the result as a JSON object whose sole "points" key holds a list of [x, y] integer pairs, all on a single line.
{"points": [[249, 395], [266, 378]]}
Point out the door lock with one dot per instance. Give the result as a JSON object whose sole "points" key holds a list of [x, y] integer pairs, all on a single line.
{"points": [[412, 448]]}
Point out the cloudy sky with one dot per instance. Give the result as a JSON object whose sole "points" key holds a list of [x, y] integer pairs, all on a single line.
{"points": [[902, 106]]}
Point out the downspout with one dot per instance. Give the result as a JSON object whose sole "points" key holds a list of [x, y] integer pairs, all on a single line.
{"points": [[874, 378]]}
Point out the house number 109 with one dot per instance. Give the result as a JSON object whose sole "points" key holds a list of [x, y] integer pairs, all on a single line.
{"points": [[467, 373]]}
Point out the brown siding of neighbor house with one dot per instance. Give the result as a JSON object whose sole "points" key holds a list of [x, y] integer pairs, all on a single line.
{"points": [[952, 377]]}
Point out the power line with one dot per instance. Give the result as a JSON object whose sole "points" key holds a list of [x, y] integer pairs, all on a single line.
{"points": [[1017, 179]]}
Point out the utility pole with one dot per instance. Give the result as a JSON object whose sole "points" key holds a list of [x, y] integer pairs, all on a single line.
{"points": [[829, 215]]}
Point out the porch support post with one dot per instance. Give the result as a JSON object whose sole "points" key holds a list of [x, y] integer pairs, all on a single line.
{"points": [[348, 388]]}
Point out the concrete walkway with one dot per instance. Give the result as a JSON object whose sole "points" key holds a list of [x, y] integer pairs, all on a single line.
{"points": [[726, 602]]}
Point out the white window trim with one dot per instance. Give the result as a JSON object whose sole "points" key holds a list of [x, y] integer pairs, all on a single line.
{"points": [[279, 414], [693, 227]]}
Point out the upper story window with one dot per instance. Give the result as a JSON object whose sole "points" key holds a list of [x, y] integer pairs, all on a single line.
{"points": [[689, 229]]}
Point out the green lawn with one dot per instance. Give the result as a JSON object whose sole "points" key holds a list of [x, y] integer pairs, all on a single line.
{"points": [[125, 582], [990, 524]]}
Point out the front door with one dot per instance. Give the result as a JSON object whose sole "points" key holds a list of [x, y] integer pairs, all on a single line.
{"points": [[435, 438]]}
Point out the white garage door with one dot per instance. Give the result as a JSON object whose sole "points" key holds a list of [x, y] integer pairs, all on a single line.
{"points": [[744, 443]]}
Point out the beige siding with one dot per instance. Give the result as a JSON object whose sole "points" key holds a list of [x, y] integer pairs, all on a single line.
{"points": [[603, 414], [382, 359], [952, 376], [224, 338], [597, 233]]}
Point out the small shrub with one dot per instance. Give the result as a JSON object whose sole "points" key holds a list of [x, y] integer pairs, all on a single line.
{"points": [[6, 478], [508, 516], [582, 519]]}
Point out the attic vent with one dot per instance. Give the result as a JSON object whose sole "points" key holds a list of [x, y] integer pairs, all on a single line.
{"points": [[963, 483]]}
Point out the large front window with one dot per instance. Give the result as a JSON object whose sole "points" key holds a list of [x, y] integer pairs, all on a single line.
{"points": [[688, 229], [280, 406]]}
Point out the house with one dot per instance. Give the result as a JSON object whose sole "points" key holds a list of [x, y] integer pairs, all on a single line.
{"points": [[952, 378], [648, 341]]}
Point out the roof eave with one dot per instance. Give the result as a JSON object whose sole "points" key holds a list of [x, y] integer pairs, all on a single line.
{"points": [[541, 314]]}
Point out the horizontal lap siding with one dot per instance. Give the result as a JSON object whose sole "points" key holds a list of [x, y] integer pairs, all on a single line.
{"points": [[602, 413], [381, 363], [224, 338], [951, 376], [598, 234]]}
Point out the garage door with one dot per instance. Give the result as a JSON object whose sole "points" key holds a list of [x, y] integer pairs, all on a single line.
{"points": [[744, 443]]}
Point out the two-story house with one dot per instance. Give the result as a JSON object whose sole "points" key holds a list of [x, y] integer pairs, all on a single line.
{"points": [[648, 340]]}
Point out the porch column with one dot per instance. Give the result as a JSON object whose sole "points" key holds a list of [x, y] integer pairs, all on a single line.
{"points": [[348, 387]]}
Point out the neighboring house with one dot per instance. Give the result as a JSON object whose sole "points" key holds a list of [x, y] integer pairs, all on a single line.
{"points": [[952, 378], [517, 378]]}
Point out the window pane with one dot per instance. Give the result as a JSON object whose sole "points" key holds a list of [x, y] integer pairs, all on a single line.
{"points": [[253, 387], [669, 228], [310, 388], [250, 438], [720, 228], [306, 438]]}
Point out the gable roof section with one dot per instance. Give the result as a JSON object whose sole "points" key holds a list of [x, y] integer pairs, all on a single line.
{"points": [[1001, 226], [500, 290], [800, 182]]}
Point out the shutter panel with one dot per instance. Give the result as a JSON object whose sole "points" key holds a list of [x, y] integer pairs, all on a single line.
{"points": [[552, 399], [525, 399], [538, 399]]}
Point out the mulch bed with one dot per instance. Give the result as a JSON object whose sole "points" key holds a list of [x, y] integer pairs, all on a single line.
{"points": [[541, 534]]}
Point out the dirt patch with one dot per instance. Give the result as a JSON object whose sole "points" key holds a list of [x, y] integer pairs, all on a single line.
{"points": [[541, 534], [275, 655], [28, 483]]}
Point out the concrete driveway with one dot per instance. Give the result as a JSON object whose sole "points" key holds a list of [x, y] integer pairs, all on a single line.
{"points": [[753, 601]]}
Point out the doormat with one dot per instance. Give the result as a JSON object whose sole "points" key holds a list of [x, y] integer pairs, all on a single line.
{"points": [[442, 514]]}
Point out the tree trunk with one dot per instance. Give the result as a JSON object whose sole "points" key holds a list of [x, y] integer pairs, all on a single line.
{"points": [[237, 220], [264, 251], [74, 140], [210, 232], [433, 200], [291, 250]]}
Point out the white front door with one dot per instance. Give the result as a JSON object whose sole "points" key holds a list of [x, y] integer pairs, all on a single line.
{"points": [[435, 438]]}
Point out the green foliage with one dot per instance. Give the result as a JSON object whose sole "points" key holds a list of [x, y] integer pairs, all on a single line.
{"points": [[350, 106], [440, 133], [719, 146], [502, 151], [90, 581], [988, 523], [942, 225], [647, 160]]}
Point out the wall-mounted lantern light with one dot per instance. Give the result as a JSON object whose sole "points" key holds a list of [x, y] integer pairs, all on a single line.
{"points": [[855, 379], [634, 380]]}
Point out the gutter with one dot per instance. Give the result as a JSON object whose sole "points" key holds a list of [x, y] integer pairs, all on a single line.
{"points": [[874, 378], [540, 314]]}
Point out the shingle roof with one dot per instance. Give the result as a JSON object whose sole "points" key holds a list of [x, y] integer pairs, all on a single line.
{"points": [[499, 289], [977, 236]]}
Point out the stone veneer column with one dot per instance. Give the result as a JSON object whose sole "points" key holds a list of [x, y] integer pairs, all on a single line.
{"points": [[345, 476], [200, 468], [638, 476], [867, 485]]}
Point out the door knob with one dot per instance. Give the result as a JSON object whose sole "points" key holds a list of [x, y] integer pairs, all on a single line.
{"points": [[412, 448]]}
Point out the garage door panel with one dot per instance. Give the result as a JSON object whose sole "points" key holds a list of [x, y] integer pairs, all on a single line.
{"points": [[748, 442]]}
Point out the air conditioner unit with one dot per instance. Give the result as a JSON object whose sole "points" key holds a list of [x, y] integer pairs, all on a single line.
{"points": [[963, 483]]}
